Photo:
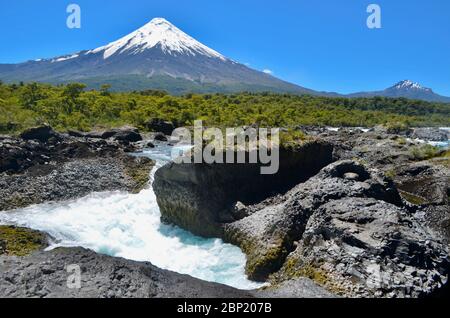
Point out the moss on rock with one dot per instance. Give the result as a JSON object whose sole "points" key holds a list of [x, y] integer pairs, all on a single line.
{"points": [[412, 198], [138, 169], [16, 241], [294, 268]]}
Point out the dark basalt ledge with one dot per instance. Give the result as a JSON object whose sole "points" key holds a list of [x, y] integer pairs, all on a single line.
{"points": [[45, 275], [202, 197]]}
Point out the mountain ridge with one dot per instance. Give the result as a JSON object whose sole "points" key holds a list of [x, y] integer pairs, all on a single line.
{"points": [[158, 49], [161, 56], [406, 89]]}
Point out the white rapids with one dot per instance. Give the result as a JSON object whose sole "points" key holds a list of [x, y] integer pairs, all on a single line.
{"points": [[128, 225]]}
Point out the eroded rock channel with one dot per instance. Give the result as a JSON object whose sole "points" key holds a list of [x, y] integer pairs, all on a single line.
{"points": [[350, 213], [343, 224]]}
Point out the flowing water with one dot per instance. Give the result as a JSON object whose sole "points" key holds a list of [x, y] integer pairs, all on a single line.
{"points": [[128, 225]]}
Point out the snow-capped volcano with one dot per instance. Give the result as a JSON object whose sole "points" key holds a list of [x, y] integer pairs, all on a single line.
{"points": [[156, 56], [158, 32]]}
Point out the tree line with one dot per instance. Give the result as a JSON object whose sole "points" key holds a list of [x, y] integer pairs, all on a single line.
{"points": [[71, 106]]}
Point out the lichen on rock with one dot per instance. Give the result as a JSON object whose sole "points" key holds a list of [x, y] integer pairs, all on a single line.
{"points": [[16, 241]]}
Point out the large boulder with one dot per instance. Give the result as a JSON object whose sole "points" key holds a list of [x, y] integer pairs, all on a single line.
{"points": [[202, 197], [41, 133], [128, 135], [161, 126]]}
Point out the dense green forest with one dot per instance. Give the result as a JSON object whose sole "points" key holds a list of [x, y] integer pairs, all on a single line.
{"points": [[71, 106]]}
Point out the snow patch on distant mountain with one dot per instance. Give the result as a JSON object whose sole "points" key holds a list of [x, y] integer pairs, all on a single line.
{"points": [[410, 85], [160, 32], [65, 58]]}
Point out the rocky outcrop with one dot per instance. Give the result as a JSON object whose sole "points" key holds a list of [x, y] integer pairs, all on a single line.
{"points": [[268, 235], [160, 137], [295, 288], [42, 133], [431, 134], [346, 228], [124, 134], [73, 179], [202, 197], [362, 247], [46, 275], [33, 172], [161, 126], [424, 183]]}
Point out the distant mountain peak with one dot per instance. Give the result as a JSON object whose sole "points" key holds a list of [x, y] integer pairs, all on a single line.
{"points": [[407, 89], [410, 85], [157, 33]]}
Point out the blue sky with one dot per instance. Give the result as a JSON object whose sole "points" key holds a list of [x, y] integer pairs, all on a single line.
{"points": [[323, 45]]}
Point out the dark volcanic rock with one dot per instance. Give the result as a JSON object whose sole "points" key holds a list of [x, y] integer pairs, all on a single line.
{"points": [[33, 172], [42, 133], [295, 288], [128, 135], [268, 235], [201, 197], [76, 133], [362, 247], [45, 274], [124, 134], [73, 179], [431, 134], [426, 182], [160, 137], [346, 228], [161, 126], [2, 246]]}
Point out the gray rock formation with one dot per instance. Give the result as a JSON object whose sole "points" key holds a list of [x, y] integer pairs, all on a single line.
{"points": [[45, 274], [346, 228], [431, 134], [42, 133], [429, 183], [295, 288], [161, 126], [362, 247], [201, 197], [270, 234], [33, 172]]}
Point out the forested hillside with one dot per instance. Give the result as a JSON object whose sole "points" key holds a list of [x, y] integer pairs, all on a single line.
{"points": [[73, 107]]}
